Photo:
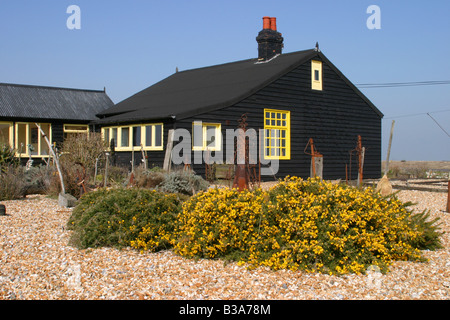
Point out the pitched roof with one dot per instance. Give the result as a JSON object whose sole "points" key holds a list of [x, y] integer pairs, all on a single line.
{"points": [[196, 91], [200, 90], [38, 102]]}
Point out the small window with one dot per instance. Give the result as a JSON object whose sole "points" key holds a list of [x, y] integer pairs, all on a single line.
{"points": [[75, 129], [277, 144], [206, 136], [316, 75]]}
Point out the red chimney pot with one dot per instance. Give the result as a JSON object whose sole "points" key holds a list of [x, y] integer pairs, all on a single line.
{"points": [[273, 24], [266, 22]]}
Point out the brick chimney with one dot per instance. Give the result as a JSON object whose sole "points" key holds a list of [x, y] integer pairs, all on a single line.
{"points": [[270, 41]]}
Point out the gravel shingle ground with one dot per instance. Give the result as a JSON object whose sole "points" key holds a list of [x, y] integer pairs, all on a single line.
{"points": [[37, 263]]}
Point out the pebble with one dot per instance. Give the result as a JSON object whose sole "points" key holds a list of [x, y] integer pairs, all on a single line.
{"points": [[37, 263]]}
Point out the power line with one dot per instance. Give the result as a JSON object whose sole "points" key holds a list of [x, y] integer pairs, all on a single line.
{"points": [[402, 84], [439, 125], [415, 114]]}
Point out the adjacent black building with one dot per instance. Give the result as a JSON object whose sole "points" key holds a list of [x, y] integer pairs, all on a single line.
{"points": [[58, 111]]}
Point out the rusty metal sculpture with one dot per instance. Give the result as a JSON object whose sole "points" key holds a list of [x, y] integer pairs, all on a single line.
{"points": [[314, 154], [241, 177], [360, 152]]}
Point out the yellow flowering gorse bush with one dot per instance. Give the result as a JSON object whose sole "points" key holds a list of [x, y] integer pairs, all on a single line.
{"points": [[310, 225]]}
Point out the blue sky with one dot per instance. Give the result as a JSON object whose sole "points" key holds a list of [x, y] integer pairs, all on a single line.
{"points": [[127, 46]]}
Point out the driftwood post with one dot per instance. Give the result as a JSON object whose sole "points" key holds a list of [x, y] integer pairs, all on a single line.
{"points": [[168, 158], [63, 189], [361, 167], [389, 149]]}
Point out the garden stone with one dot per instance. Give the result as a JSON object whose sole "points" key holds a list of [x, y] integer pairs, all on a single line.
{"points": [[67, 200]]}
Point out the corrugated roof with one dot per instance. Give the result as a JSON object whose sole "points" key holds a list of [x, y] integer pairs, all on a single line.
{"points": [[39, 102]]}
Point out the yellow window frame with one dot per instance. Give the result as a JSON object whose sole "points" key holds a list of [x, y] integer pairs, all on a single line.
{"points": [[10, 132], [41, 143], [316, 75], [129, 144], [71, 129], [204, 132], [277, 134]]}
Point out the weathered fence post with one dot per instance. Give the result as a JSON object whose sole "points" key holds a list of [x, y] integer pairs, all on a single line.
{"points": [[448, 197]]}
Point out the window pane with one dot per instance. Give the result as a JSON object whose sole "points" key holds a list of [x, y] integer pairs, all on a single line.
{"points": [[106, 134], [148, 136], [267, 114], [211, 136], [22, 138], [4, 133], [34, 139], [316, 75], [197, 135], [272, 152], [158, 135], [43, 144], [136, 136], [114, 136], [125, 137]]}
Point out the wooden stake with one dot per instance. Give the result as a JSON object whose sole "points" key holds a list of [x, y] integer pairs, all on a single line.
{"points": [[168, 157], [389, 148]]}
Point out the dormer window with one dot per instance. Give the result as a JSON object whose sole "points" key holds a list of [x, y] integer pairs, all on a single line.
{"points": [[316, 75]]}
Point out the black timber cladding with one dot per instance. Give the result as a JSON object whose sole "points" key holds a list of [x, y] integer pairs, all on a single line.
{"points": [[51, 103], [333, 117]]}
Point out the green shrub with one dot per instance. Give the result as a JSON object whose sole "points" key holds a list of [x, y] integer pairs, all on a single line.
{"points": [[120, 217]]}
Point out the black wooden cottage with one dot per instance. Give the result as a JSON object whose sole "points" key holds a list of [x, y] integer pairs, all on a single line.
{"points": [[58, 111], [293, 97]]}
